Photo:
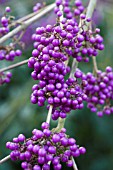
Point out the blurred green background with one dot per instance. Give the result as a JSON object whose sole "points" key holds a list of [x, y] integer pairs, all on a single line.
{"points": [[18, 115]]}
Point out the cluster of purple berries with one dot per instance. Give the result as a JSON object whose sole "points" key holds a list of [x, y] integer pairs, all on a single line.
{"points": [[48, 63], [70, 97], [64, 97], [53, 47], [51, 79], [44, 148], [50, 69], [5, 77], [83, 42], [69, 12], [87, 45], [100, 91], [9, 54], [5, 22]]}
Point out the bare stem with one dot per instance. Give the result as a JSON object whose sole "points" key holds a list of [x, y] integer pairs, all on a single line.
{"points": [[95, 65], [4, 159], [16, 41], [90, 9], [14, 66], [60, 125], [74, 164], [27, 23], [74, 66], [49, 114]]}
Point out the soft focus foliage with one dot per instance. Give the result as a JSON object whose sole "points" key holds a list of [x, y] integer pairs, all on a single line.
{"points": [[18, 115]]}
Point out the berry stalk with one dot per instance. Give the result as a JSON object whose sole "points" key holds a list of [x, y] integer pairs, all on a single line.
{"points": [[14, 66], [91, 8], [5, 159], [95, 65], [49, 114], [74, 164]]}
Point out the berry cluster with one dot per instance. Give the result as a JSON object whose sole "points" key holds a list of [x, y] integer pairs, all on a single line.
{"points": [[84, 42], [64, 95], [70, 97], [70, 13], [87, 45], [9, 53], [51, 79], [44, 148], [100, 91], [53, 47], [5, 22], [5, 77]]}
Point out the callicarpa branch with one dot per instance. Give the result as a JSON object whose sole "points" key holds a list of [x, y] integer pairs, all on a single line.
{"points": [[58, 86]]}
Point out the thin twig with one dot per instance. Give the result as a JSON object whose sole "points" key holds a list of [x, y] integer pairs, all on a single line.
{"points": [[60, 125], [27, 23], [49, 114], [74, 164], [73, 69], [16, 40], [95, 65], [91, 8], [5, 159], [14, 65]]}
